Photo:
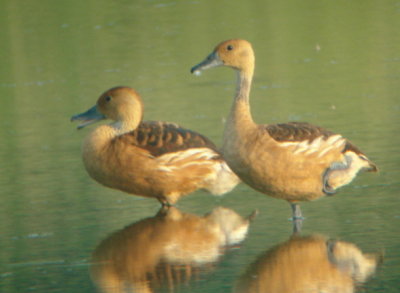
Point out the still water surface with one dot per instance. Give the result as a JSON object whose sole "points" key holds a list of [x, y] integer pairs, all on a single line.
{"points": [[331, 63]]}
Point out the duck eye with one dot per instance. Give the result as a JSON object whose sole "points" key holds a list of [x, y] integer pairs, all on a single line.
{"points": [[229, 47], [108, 98]]}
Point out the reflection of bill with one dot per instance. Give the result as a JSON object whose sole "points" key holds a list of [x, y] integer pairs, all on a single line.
{"points": [[165, 250], [309, 264]]}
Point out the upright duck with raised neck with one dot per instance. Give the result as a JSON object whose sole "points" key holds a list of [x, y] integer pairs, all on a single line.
{"points": [[149, 158], [294, 161]]}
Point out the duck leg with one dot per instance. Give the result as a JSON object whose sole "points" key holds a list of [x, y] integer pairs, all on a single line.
{"points": [[296, 211], [297, 217], [163, 210], [165, 204]]}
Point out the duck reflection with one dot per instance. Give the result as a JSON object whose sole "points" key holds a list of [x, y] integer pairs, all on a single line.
{"points": [[166, 250], [309, 264]]}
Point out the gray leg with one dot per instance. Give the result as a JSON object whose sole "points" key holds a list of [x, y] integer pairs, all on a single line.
{"points": [[297, 218], [164, 202], [296, 211]]}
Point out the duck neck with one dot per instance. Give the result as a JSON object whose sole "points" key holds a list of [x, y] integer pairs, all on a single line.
{"points": [[243, 86], [128, 120], [125, 126], [240, 118], [102, 135]]}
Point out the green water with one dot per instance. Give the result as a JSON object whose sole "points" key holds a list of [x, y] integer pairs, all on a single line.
{"points": [[331, 63]]}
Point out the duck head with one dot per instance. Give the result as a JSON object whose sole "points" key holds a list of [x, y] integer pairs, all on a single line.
{"points": [[237, 54], [121, 104]]}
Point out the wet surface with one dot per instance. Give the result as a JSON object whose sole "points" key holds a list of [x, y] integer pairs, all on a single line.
{"points": [[334, 64]]}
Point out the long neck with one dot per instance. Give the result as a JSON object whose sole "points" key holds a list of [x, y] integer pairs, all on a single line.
{"points": [[240, 116], [244, 80]]}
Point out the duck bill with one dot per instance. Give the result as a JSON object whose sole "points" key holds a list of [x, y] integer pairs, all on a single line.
{"points": [[89, 117], [211, 61]]}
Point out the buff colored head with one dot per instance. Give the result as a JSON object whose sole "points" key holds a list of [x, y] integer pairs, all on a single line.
{"points": [[118, 104], [235, 53]]}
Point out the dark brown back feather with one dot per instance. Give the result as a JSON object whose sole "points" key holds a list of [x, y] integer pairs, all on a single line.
{"points": [[296, 131], [300, 131], [159, 138]]}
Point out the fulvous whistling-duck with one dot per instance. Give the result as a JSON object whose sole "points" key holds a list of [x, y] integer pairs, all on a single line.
{"points": [[293, 161], [149, 158]]}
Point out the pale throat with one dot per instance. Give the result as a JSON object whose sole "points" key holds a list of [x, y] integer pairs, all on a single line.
{"points": [[241, 104], [244, 81], [103, 134], [127, 124]]}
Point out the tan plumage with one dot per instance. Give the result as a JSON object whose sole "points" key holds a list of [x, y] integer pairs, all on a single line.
{"points": [[149, 158], [311, 264], [292, 161]]}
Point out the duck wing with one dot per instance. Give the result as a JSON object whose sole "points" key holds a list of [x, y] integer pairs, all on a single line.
{"points": [[296, 131], [303, 131], [160, 138], [309, 138]]}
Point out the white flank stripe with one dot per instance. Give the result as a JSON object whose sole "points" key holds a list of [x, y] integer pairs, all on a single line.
{"points": [[332, 139], [197, 156], [317, 145], [323, 152], [165, 168], [288, 143], [204, 153], [340, 143]]}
